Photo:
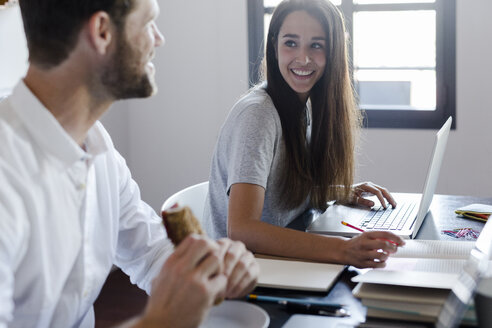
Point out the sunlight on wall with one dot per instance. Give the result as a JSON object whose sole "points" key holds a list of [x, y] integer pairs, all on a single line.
{"points": [[13, 57]]}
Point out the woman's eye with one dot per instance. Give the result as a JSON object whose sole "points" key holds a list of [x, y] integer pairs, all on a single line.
{"points": [[290, 43], [317, 46]]}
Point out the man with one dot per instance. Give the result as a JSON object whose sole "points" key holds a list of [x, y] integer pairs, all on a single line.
{"points": [[69, 208]]}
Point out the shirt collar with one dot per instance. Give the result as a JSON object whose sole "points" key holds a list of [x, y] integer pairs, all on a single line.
{"points": [[49, 134]]}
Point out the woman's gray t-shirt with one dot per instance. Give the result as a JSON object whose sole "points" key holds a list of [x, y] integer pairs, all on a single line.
{"points": [[250, 149]]}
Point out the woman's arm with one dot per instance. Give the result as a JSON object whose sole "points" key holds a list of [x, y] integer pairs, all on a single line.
{"points": [[245, 208]]}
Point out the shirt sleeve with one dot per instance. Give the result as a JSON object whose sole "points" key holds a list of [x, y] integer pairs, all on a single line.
{"points": [[14, 233], [143, 246], [252, 145]]}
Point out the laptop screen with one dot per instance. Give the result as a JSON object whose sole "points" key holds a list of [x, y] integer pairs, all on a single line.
{"points": [[462, 293]]}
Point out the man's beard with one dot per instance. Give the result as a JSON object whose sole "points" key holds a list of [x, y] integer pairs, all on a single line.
{"points": [[122, 77]]}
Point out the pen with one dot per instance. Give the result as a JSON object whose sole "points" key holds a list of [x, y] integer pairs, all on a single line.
{"points": [[285, 300], [317, 309], [304, 306], [359, 229]]}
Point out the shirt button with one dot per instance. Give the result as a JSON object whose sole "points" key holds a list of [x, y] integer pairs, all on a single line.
{"points": [[81, 186]]}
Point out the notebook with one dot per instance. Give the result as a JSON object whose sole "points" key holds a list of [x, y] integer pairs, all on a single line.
{"points": [[404, 220], [297, 275], [480, 212]]}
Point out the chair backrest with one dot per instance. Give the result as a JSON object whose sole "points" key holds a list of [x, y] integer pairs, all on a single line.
{"points": [[193, 197]]}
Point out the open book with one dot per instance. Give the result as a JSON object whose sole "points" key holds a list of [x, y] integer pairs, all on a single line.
{"points": [[416, 281], [296, 274], [422, 263]]}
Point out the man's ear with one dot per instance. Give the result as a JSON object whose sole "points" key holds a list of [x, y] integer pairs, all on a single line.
{"points": [[100, 31]]}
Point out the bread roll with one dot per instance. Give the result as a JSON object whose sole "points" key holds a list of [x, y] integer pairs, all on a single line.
{"points": [[179, 223]]}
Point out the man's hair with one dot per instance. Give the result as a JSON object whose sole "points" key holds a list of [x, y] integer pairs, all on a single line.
{"points": [[52, 26]]}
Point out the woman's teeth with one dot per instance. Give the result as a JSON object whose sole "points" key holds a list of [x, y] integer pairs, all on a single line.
{"points": [[301, 72]]}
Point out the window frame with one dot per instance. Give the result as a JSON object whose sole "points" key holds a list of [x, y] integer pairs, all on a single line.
{"points": [[385, 118]]}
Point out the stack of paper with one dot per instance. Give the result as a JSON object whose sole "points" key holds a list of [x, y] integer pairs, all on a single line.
{"points": [[405, 303]]}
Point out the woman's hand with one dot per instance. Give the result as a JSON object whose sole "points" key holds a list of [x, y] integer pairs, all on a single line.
{"points": [[370, 249], [360, 190]]}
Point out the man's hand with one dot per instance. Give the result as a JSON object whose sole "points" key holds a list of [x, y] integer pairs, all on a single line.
{"points": [[240, 267], [190, 281]]}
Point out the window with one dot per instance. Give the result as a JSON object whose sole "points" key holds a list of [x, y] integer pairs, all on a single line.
{"points": [[402, 54]]}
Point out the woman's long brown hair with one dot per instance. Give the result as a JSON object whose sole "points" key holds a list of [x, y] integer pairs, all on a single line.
{"points": [[322, 169]]}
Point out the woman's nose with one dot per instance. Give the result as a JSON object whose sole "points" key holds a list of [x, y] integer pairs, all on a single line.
{"points": [[303, 59]]}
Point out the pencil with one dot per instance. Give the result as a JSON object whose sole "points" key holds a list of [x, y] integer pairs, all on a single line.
{"points": [[351, 226], [359, 229]]}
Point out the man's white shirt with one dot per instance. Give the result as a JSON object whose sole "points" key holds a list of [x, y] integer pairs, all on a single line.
{"points": [[66, 215]]}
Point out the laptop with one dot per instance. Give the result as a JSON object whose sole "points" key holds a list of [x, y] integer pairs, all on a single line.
{"points": [[404, 220]]}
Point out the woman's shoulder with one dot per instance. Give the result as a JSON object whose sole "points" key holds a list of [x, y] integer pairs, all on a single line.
{"points": [[256, 101]]}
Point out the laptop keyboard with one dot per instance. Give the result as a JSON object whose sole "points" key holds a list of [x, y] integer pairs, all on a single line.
{"points": [[389, 218]]}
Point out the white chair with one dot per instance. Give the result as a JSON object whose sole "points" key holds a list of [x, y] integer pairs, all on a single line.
{"points": [[194, 197]]}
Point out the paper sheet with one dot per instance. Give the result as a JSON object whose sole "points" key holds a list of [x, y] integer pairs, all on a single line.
{"points": [[443, 249]]}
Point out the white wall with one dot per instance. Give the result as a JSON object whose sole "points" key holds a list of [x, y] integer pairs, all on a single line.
{"points": [[202, 69], [13, 49]]}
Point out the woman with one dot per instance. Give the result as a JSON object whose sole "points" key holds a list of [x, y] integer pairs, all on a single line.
{"points": [[288, 145]]}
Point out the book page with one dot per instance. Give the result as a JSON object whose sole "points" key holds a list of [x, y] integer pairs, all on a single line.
{"points": [[409, 278], [441, 249], [424, 265]]}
